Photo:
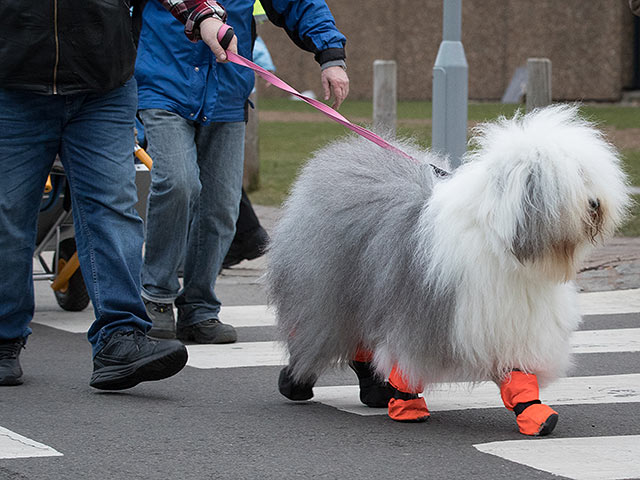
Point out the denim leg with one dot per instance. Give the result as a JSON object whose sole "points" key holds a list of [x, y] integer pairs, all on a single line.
{"points": [[97, 154], [220, 149], [30, 127], [173, 196]]}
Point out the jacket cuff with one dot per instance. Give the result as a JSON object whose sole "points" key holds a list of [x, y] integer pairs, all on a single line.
{"points": [[329, 55], [334, 63], [207, 9]]}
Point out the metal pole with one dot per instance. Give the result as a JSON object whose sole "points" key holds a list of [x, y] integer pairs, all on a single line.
{"points": [[385, 96], [450, 87]]}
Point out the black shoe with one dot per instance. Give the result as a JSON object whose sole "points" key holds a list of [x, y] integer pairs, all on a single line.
{"points": [[246, 247], [209, 331], [162, 319], [374, 393], [131, 357], [292, 390], [10, 370]]}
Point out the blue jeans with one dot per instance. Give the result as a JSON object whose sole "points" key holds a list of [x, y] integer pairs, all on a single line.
{"points": [[93, 133], [196, 183]]}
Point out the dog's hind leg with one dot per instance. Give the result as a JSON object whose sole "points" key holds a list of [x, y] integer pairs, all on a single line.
{"points": [[520, 394], [374, 392], [406, 405]]}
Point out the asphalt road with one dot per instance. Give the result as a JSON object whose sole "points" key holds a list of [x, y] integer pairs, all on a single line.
{"points": [[231, 422]]}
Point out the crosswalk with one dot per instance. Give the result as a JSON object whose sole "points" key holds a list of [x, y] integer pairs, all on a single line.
{"points": [[604, 458]]}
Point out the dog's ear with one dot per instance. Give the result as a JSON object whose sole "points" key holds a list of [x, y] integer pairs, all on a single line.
{"points": [[530, 235], [540, 236]]}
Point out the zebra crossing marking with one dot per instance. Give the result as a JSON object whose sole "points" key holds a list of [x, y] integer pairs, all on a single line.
{"points": [[611, 302], [238, 316], [13, 445], [234, 355], [270, 353], [592, 303], [623, 388], [584, 458], [606, 341]]}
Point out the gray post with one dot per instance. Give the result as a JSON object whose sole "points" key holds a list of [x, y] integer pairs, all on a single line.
{"points": [[385, 96], [251, 177], [538, 83], [450, 87]]}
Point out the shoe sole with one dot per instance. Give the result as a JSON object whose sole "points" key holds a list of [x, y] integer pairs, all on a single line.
{"points": [[251, 256], [157, 367], [413, 420], [547, 427], [11, 382]]}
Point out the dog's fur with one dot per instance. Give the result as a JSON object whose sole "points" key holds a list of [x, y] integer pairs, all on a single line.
{"points": [[464, 277]]}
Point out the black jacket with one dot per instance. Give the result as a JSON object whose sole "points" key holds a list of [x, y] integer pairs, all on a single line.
{"points": [[65, 46]]}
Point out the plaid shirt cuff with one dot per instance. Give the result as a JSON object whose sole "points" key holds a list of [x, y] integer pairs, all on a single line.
{"points": [[192, 12]]}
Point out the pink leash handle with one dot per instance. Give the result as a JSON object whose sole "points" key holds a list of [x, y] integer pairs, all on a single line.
{"points": [[330, 112]]}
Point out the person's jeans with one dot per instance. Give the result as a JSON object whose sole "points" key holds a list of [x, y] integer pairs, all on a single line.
{"points": [[93, 133], [196, 182]]}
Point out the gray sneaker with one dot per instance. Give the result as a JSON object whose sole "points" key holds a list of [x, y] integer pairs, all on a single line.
{"points": [[209, 331], [161, 315]]}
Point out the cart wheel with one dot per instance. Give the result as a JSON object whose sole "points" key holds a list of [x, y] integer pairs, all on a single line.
{"points": [[75, 297]]}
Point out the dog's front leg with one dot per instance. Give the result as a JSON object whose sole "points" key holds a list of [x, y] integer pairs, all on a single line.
{"points": [[520, 394], [406, 405]]}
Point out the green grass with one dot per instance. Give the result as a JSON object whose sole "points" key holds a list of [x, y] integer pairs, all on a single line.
{"points": [[285, 146], [632, 227]]}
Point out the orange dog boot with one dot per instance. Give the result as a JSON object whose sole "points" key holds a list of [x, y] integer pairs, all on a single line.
{"points": [[406, 405], [520, 394]]}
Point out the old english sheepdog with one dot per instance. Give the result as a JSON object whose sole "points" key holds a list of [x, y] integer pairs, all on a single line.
{"points": [[415, 277]]}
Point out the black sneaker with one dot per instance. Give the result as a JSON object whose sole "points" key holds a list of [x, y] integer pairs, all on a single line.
{"points": [[10, 370], [209, 331], [248, 247], [131, 357], [162, 318]]}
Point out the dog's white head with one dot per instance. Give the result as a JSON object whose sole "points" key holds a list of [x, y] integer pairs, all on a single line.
{"points": [[552, 187]]}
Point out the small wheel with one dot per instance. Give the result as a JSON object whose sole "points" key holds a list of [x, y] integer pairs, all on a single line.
{"points": [[74, 297]]}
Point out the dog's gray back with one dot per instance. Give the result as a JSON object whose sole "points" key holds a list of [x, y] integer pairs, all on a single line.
{"points": [[343, 266]]}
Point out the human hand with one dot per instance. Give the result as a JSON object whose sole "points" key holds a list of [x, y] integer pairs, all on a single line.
{"points": [[209, 28], [335, 81]]}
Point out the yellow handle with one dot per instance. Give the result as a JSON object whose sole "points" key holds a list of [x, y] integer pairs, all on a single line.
{"points": [[61, 281], [48, 186], [143, 156]]}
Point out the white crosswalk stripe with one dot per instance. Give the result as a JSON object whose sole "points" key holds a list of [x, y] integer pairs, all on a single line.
{"points": [[13, 445], [255, 354], [461, 396], [586, 458], [594, 303]]}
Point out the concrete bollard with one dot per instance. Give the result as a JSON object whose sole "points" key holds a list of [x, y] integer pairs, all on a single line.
{"points": [[385, 96], [538, 83]]}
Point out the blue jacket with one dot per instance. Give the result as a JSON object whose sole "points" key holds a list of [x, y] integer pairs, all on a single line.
{"points": [[177, 75]]}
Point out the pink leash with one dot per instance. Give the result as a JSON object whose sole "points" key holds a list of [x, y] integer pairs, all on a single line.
{"points": [[224, 37]]}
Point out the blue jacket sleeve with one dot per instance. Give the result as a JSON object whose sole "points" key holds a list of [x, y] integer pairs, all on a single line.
{"points": [[311, 26]]}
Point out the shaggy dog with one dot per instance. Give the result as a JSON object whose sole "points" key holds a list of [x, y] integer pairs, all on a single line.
{"points": [[463, 277]]}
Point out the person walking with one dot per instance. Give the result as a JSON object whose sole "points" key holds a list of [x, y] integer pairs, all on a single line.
{"points": [[67, 89], [194, 111]]}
